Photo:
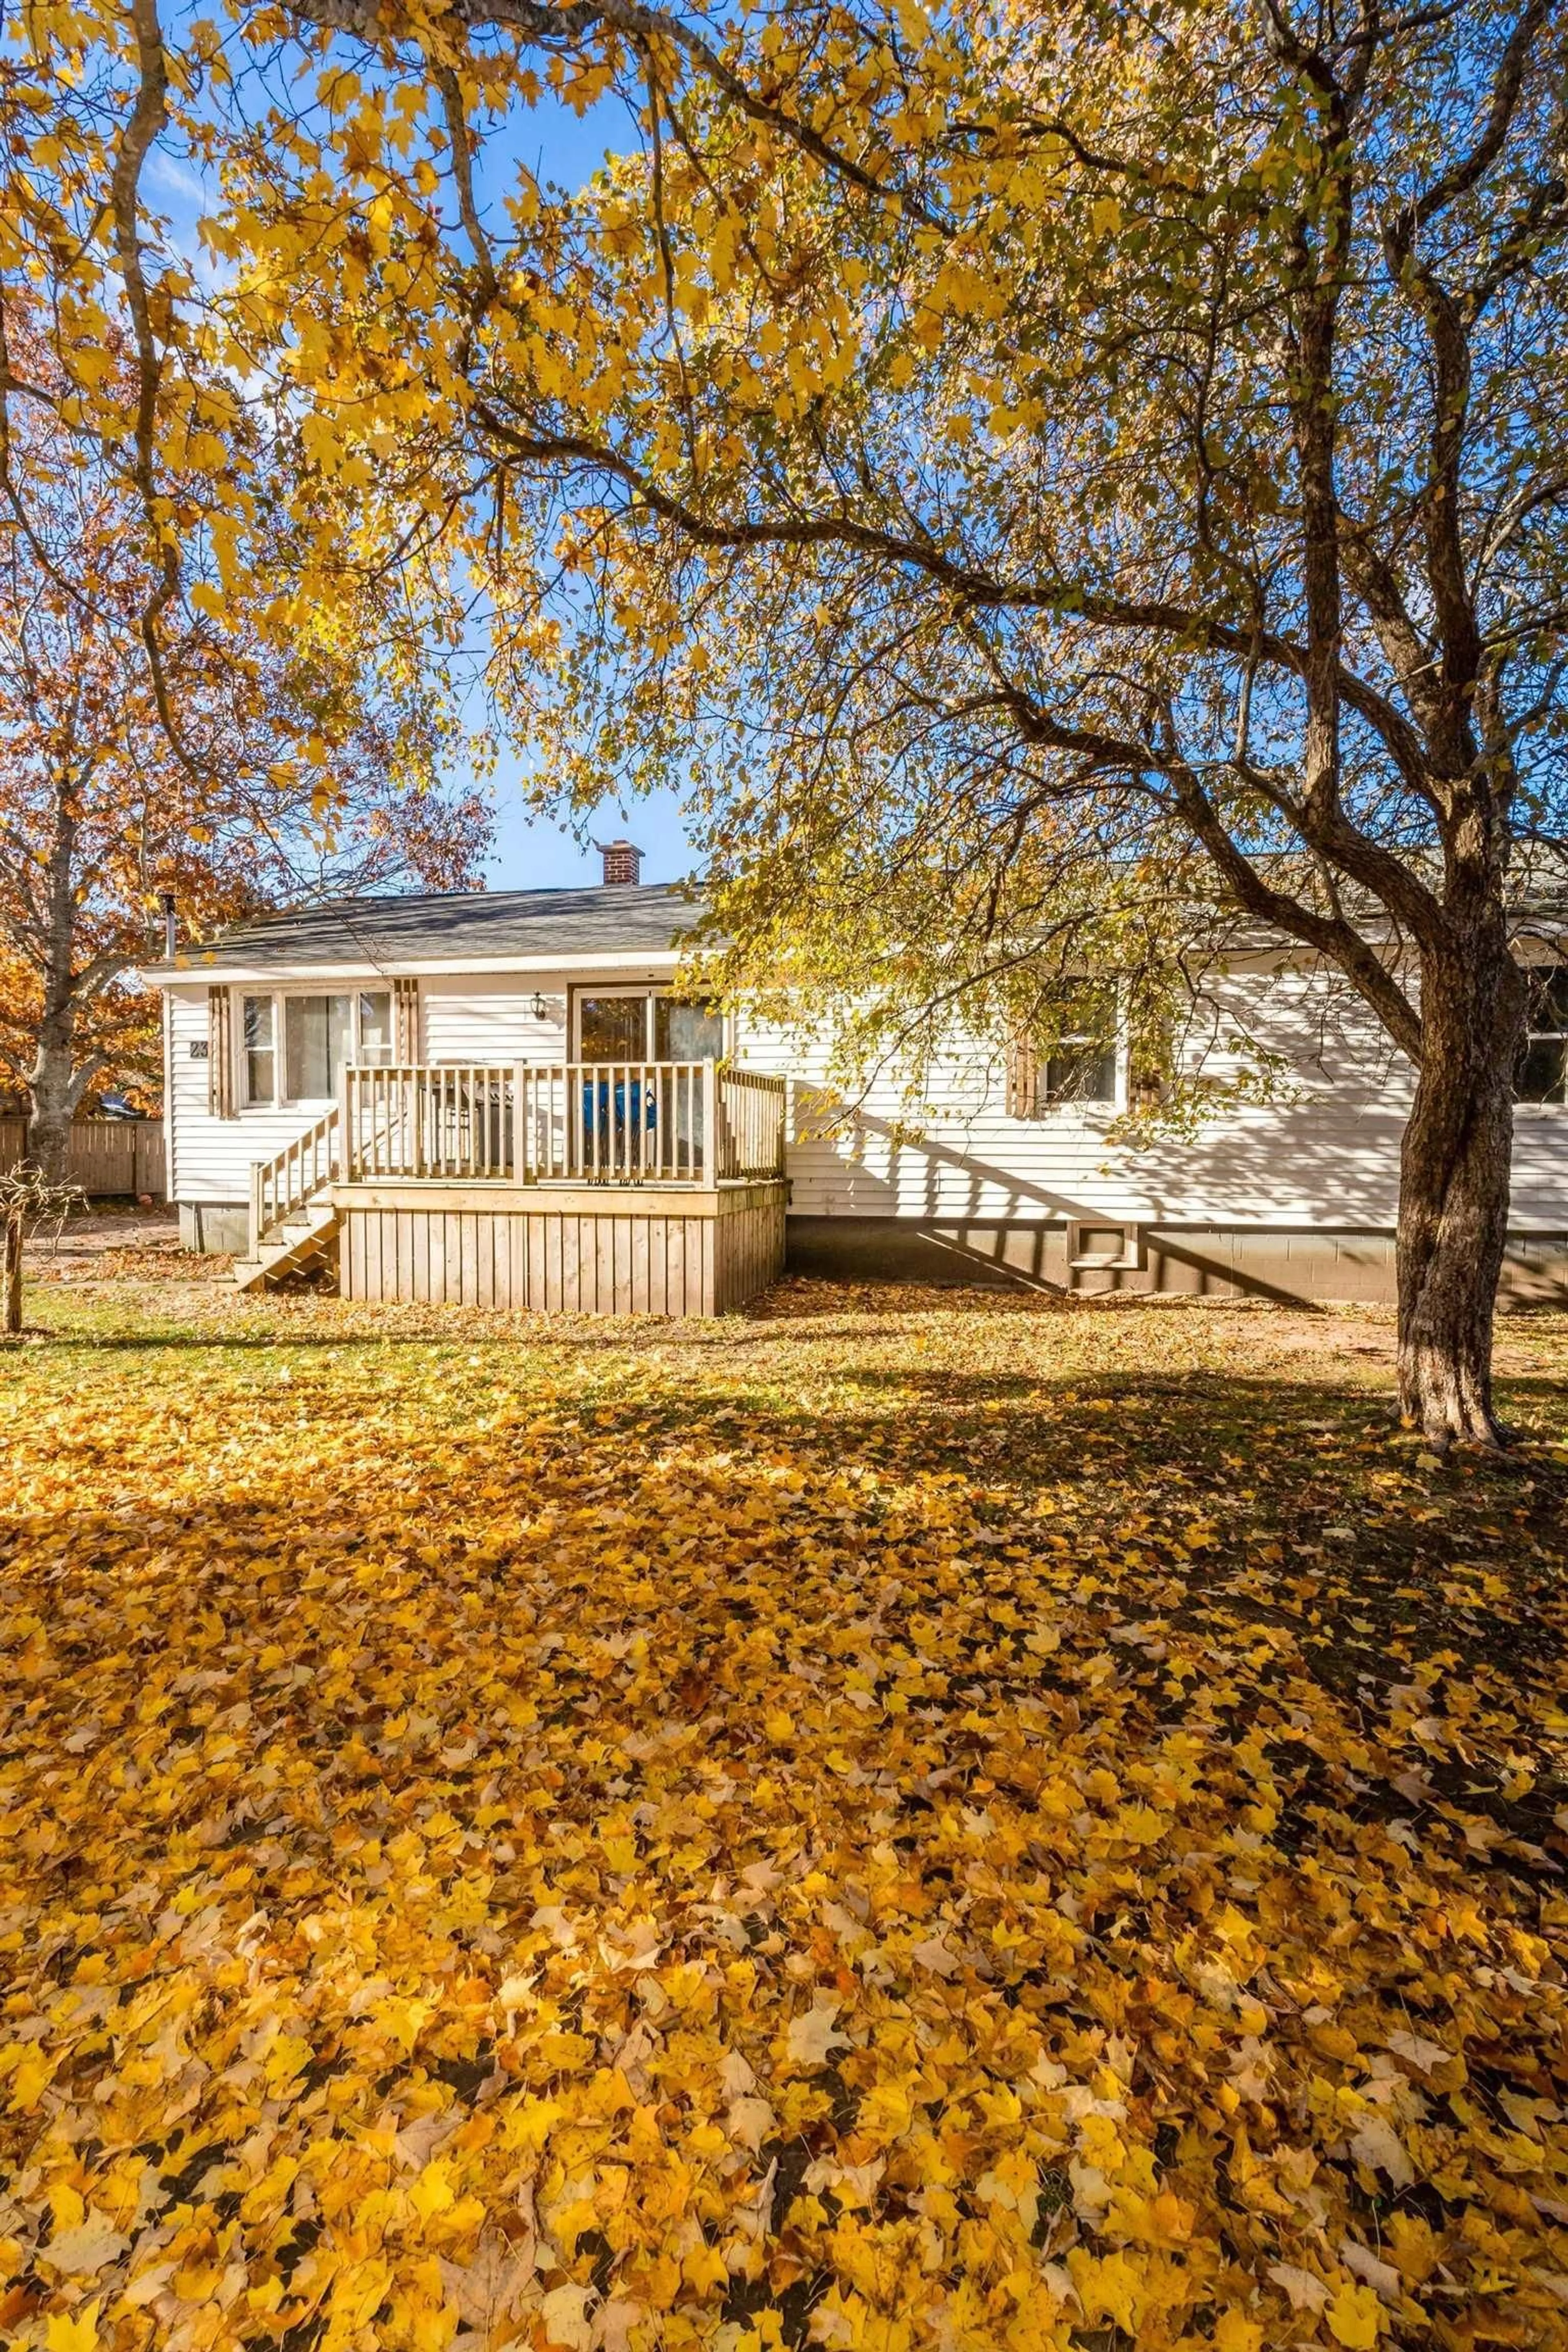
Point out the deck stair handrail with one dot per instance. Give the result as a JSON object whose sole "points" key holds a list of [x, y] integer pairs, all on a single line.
{"points": [[284, 1183]]}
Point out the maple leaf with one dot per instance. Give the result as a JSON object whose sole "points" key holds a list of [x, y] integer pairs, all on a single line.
{"points": [[565, 2312], [811, 2037], [87, 2248], [1354, 2317], [1305, 2291], [1377, 2144], [74, 2331]]}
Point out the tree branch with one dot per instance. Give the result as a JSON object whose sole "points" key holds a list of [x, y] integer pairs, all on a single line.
{"points": [[1330, 936], [1462, 176], [1065, 599], [559, 28]]}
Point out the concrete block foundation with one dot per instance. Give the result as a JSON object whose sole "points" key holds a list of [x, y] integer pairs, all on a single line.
{"points": [[1305, 1267]]}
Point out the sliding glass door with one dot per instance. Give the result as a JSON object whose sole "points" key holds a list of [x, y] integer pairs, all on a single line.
{"points": [[647, 1120], [638, 1024]]}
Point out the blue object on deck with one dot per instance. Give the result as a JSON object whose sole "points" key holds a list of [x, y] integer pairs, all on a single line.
{"points": [[612, 1102]]}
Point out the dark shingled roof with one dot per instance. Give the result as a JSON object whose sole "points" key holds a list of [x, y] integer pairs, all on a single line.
{"points": [[482, 924]]}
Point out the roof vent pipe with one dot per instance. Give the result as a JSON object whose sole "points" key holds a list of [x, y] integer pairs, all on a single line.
{"points": [[623, 861], [167, 898]]}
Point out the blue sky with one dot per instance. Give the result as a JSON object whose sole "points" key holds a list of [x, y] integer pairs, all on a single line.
{"points": [[561, 147], [532, 855], [529, 853]]}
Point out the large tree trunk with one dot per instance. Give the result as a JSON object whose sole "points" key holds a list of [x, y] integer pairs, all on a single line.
{"points": [[1454, 1190], [52, 1083], [52, 1090]]}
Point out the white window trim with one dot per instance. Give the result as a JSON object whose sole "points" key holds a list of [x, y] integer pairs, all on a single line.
{"points": [[1074, 1110], [240, 1073], [277, 1099]]}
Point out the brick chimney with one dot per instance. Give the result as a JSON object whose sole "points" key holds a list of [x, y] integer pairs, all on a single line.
{"points": [[623, 861]]}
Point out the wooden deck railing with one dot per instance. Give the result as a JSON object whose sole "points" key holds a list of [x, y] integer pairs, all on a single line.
{"points": [[452, 1120], [751, 1123], [563, 1122], [614, 1122], [293, 1176]]}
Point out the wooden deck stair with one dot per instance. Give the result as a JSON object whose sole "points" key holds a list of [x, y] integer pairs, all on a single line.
{"points": [[301, 1249], [293, 1221]]}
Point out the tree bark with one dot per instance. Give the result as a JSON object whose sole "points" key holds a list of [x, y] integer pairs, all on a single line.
{"points": [[53, 1089], [53, 1084], [1454, 1188], [11, 1271]]}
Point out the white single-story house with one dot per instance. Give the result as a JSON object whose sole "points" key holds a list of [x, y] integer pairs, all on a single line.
{"points": [[500, 1099]]}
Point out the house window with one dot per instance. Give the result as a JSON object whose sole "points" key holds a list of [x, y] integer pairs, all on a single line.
{"points": [[1543, 1075], [320, 1035], [613, 1029], [623, 1024], [685, 1033], [1081, 1068], [374, 1029], [259, 1047]]}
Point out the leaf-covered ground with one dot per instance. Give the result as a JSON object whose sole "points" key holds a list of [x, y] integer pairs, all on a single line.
{"points": [[906, 1819]]}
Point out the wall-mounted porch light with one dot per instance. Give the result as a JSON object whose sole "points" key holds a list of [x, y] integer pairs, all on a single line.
{"points": [[541, 1010]]}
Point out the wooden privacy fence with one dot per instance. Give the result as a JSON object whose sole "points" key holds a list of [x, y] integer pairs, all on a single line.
{"points": [[563, 1122], [108, 1158]]}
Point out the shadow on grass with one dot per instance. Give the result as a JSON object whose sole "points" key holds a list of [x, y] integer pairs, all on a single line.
{"points": [[1282, 1529], [796, 1311]]}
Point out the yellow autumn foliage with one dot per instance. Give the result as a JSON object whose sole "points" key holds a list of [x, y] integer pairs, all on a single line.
{"points": [[607, 1836]]}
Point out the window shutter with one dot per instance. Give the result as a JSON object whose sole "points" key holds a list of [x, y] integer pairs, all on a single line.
{"points": [[220, 1054], [1022, 1077], [404, 1022]]}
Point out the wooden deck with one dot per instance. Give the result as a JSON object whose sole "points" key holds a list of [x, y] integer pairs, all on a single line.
{"points": [[573, 1249], [563, 1188]]}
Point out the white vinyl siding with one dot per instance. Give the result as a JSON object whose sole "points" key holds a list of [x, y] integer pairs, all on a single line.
{"points": [[1324, 1154], [213, 1156], [491, 1017], [488, 1017], [1328, 1158]]}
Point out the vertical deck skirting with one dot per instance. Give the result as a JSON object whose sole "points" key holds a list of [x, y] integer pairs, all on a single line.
{"points": [[577, 1251]]}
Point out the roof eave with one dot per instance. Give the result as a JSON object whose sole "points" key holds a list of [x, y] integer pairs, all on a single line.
{"points": [[213, 967]]}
